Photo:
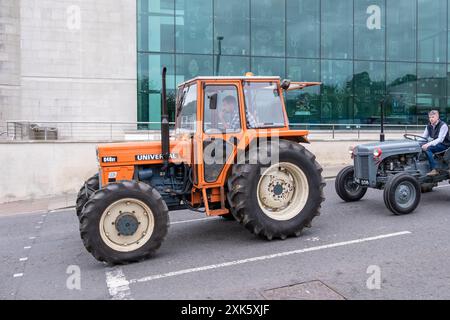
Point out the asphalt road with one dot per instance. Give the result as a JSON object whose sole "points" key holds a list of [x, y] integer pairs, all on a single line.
{"points": [[352, 251]]}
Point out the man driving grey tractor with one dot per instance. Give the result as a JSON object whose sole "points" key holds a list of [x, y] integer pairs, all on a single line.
{"points": [[437, 132]]}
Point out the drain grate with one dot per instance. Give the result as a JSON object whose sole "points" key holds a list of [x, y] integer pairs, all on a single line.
{"points": [[313, 290]]}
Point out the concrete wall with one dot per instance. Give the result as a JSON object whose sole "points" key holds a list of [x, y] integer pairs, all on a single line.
{"points": [[77, 59], [37, 170]]}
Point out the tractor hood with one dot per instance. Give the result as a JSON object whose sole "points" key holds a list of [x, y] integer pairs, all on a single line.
{"points": [[388, 147], [137, 153]]}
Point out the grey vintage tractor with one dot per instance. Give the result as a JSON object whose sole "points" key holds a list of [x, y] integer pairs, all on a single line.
{"points": [[398, 167]]}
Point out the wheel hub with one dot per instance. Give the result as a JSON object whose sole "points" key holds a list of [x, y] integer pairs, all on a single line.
{"points": [[282, 191], [127, 224], [405, 194]]}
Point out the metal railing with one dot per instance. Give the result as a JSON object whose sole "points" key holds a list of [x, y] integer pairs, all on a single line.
{"points": [[98, 131]]}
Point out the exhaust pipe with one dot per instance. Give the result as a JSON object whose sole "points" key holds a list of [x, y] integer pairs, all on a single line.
{"points": [[165, 139]]}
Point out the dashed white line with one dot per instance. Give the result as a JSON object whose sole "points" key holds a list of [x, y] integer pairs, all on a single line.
{"points": [[23, 259], [18, 275], [118, 285], [27, 247], [40, 222], [32, 238], [267, 257], [38, 227], [194, 220]]}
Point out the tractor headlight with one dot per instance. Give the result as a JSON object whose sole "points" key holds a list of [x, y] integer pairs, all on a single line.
{"points": [[377, 152]]}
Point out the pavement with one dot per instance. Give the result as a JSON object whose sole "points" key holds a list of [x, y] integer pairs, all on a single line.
{"points": [[353, 251]]}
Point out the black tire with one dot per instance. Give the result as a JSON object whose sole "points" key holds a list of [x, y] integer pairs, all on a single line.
{"points": [[427, 187], [243, 198], [101, 200], [345, 187], [87, 190], [406, 202]]}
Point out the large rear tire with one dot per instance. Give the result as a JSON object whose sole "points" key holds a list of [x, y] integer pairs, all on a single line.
{"points": [[87, 190], [277, 200], [402, 194], [345, 186], [124, 222]]}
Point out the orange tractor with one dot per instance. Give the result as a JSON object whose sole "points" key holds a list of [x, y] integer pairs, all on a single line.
{"points": [[232, 154]]}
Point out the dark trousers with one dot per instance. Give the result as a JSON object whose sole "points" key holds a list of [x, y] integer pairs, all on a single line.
{"points": [[432, 150]]}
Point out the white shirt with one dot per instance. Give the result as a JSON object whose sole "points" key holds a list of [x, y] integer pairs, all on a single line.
{"points": [[442, 134]]}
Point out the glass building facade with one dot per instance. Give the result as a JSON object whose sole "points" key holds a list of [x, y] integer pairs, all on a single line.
{"points": [[362, 51]]}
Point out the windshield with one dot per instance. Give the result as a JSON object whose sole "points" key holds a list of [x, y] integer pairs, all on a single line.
{"points": [[263, 103], [187, 115]]}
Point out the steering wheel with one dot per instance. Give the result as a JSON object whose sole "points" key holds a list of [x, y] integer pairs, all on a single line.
{"points": [[415, 137]]}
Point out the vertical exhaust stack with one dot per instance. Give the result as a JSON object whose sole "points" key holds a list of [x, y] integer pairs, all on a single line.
{"points": [[165, 139]]}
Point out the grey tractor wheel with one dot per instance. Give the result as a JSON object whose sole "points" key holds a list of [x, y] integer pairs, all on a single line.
{"points": [[345, 186], [277, 200], [402, 193], [124, 222], [87, 190]]}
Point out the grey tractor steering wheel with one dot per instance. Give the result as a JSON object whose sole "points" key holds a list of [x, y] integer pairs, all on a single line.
{"points": [[415, 137]]}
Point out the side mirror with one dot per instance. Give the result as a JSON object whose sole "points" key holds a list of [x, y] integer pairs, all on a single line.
{"points": [[285, 84], [213, 101]]}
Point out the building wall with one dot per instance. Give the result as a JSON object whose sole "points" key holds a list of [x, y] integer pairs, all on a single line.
{"points": [[77, 60], [9, 58]]}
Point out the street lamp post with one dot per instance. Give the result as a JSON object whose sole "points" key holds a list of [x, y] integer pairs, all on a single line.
{"points": [[219, 38]]}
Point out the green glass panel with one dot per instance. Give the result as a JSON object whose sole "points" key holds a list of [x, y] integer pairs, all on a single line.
{"points": [[432, 32], [303, 106], [336, 100], [150, 84], [191, 66], [303, 28], [370, 29], [231, 66], [369, 83], [401, 30], [268, 67], [194, 26], [431, 89], [156, 29], [232, 27], [337, 29], [268, 27], [401, 79]]}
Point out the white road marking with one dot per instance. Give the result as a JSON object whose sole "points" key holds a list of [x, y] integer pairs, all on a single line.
{"points": [[38, 227], [18, 275], [23, 259], [194, 220], [267, 257], [32, 238], [118, 285], [28, 247], [40, 222]]}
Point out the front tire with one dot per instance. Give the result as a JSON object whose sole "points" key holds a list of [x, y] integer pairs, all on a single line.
{"points": [[277, 200], [124, 222], [345, 186], [402, 194]]}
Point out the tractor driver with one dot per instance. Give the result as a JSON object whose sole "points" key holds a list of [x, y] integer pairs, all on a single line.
{"points": [[437, 130], [230, 107]]}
